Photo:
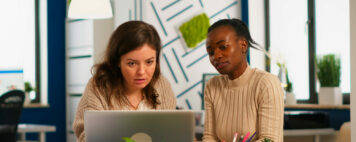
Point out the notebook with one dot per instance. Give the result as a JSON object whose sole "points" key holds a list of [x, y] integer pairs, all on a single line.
{"points": [[141, 126]]}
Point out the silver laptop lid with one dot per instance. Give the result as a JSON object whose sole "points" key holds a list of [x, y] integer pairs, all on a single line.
{"points": [[159, 125]]}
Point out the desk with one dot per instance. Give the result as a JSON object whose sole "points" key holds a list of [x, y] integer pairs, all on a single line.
{"points": [[35, 128], [309, 132], [292, 132]]}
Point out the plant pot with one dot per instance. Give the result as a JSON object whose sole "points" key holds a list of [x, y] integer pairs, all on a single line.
{"points": [[27, 98], [330, 96], [290, 99]]}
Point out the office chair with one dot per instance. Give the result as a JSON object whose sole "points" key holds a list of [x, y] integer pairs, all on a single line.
{"points": [[11, 104]]}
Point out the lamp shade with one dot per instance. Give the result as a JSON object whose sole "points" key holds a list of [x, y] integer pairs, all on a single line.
{"points": [[90, 9]]}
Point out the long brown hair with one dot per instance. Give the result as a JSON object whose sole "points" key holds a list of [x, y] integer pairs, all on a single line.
{"points": [[108, 78]]}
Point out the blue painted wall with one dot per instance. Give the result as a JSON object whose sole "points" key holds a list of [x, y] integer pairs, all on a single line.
{"points": [[244, 17], [55, 114], [244, 11]]}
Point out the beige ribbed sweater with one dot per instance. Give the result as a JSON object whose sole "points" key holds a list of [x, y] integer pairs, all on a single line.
{"points": [[251, 103], [92, 101]]}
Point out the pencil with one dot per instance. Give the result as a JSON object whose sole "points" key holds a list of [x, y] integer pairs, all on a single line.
{"points": [[251, 137], [246, 136]]}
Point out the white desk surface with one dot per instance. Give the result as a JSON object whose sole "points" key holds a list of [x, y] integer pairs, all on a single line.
{"points": [[26, 128], [292, 132], [35, 128]]}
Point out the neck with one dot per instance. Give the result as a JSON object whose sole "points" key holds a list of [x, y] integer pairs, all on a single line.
{"points": [[239, 70], [134, 97], [133, 92], [129, 90]]}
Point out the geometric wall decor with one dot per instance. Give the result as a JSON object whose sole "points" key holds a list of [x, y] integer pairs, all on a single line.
{"points": [[183, 68]]}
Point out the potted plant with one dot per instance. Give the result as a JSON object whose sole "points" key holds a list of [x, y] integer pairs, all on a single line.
{"points": [[28, 90], [287, 84], [290, 97], [328, 74]]}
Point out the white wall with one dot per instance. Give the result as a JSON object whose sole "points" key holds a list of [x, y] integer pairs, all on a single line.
{"points": [[257, 29], [181, 66], [353, 67]]}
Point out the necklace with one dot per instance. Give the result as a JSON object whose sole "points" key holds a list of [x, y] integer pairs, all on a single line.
{"points": [[131, 105]]}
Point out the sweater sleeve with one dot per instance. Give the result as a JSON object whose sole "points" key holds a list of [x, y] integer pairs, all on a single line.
{"points": [[270, 110], [89, 101], [209, 124], [167, 97]]}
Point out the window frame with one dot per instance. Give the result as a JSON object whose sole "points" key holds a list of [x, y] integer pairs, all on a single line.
{"points": [[41, 55], [313, 95], [43, 51], [37, 52]]}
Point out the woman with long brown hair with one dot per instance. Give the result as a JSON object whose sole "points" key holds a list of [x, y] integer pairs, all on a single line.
{"points": [[129, 77]]}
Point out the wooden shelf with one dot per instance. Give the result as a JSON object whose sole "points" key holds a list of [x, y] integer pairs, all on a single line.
{"points": [[36, 106], [316, 106]]}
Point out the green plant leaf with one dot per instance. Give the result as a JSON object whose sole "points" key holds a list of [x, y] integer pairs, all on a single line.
{"points": [[127, 139], [28, 87], [289, 87], [328, 70], [267, 140]]}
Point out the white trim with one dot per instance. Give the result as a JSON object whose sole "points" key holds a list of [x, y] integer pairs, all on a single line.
{"points": [[44, 46], [257, 30], [353, 68]]}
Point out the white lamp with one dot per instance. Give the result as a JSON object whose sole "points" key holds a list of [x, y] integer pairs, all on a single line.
{"points": [[90, 9]]}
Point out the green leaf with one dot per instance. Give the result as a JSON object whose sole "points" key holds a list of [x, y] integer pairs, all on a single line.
{"points": [[328, 70], [267, 140], [28, 87], [127, 139], [289, 87]]}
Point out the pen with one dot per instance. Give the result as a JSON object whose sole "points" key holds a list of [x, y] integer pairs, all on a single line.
{"points": [[235, 137], [251, 137], [246, 137]]}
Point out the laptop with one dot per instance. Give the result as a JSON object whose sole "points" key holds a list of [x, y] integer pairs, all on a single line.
{"points": [[141, 126]]}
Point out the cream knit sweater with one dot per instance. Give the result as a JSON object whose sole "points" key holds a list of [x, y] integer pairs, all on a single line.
{"points": [[92, 101], [251, 103]]}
